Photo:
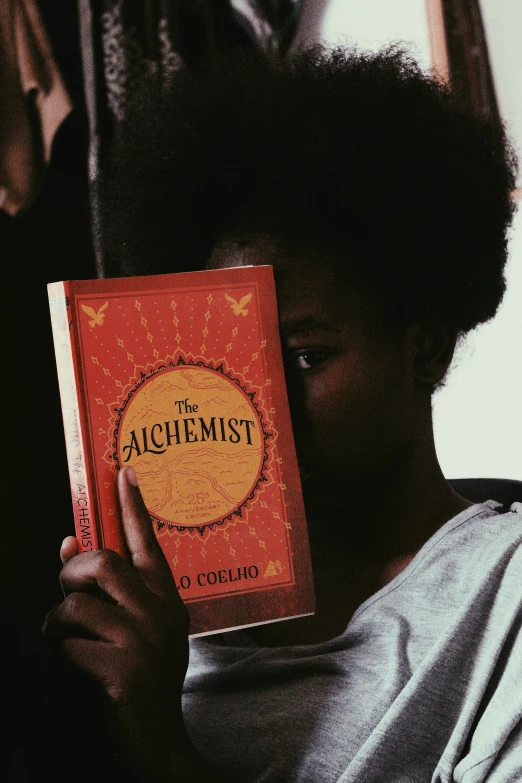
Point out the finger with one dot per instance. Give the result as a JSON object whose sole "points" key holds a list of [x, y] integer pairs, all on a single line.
{"points": [[68, 549], [91, 657], [146, 553], [106, 571], [84, 616]]}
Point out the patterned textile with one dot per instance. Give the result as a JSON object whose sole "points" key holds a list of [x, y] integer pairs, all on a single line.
{"points": [[124, 40]]}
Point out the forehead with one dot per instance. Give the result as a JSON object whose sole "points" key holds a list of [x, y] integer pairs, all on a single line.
{"points": [[307, 278]]}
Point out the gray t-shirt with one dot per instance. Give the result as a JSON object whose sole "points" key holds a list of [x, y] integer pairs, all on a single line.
{"points": [[425, 684]]}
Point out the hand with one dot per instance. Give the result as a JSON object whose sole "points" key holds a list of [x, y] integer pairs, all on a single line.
{"points": [[124, 624]]}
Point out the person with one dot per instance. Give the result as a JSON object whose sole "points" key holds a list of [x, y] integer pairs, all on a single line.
{"points": [[384, 208]]}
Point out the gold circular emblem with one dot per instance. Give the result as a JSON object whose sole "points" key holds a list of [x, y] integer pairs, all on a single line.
{"points": [[196, 442]]}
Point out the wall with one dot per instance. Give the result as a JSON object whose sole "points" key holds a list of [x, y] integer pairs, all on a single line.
{"points": [[478, 415], [378, 22], [503, 25]]}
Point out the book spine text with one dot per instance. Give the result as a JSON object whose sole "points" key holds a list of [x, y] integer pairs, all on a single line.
{"points": [[81, 491]]}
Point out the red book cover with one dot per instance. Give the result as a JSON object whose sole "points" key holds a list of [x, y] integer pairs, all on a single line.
{"points": [[181, 376]]}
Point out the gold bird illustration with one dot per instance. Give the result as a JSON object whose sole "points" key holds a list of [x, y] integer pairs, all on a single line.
{"points": [[239, 308], [97, 317]]}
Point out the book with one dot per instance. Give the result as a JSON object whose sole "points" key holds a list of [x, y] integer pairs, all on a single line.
{"points": [[181, 376]]}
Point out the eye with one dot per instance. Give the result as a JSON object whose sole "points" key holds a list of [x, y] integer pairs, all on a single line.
{"points": [[307, 359]]}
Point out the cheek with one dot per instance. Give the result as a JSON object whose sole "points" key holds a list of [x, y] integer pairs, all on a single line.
{"points": [[356, 415]]}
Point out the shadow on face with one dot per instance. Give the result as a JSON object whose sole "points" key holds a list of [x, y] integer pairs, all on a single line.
{"points": [[349, 370]]}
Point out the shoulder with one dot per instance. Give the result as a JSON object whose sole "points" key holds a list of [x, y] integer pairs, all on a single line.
{"points": [[477, 552], [487, 525], [485, 528], [481, 549]]}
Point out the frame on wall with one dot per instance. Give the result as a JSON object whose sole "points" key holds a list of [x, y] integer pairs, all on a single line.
{"points": [[460, 56]]}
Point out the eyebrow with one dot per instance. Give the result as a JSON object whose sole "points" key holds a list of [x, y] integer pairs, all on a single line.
{"points": [[306, 325]]}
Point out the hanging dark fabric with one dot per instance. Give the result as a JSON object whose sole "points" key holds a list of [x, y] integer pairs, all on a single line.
{"points": [[122, 41]]}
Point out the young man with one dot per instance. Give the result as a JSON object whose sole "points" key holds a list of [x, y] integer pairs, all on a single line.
{"points": [[384, 209]]}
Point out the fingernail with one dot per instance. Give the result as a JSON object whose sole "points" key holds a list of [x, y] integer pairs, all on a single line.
{"points": [[130, 475]]}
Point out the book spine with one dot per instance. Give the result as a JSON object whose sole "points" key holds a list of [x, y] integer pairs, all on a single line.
{"points": [[77, 457]]}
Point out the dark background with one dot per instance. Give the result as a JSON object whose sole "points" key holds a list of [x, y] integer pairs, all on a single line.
{"points": [[50, 242]]}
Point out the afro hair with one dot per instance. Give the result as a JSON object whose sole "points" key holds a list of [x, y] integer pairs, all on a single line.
{"points": [[349, 148]]}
